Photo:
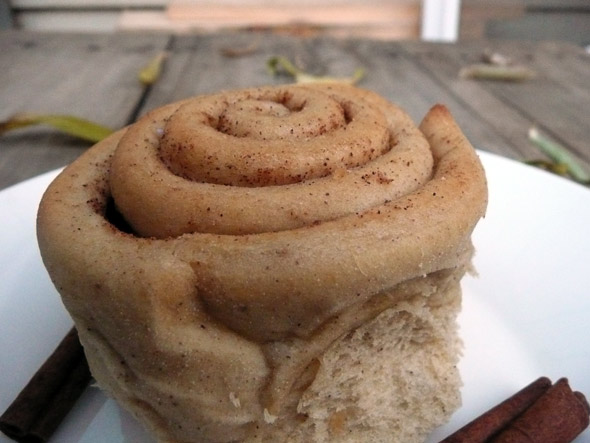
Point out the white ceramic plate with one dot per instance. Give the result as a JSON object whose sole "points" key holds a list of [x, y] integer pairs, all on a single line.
{"points": [[526, 315]]}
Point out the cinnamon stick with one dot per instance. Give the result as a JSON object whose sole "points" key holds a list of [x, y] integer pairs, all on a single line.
{"points": [[559, 415], [50, 394], [539, 413], [493, 421]]}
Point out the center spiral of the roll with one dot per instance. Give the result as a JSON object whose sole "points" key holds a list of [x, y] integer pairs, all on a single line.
{"points": [[270, 137], [267, 159]]}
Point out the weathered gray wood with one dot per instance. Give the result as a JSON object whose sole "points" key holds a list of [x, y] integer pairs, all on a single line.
{"points": [[541, 23], [417, 86], [197, 65], [478, 107], [557, 100], [89, 76], [95, 76], [565, 64]]}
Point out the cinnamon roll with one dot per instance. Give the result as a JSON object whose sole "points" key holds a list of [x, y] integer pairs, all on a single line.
{"points": [[271, 264]]}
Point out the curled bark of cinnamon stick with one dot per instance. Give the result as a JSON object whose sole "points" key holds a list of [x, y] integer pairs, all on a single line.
{"points": [[493, 421], [50, 394], [540, 412], [559, 415]]}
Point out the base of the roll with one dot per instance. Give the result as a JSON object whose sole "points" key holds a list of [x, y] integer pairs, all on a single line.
{"points": [[393, 379]]}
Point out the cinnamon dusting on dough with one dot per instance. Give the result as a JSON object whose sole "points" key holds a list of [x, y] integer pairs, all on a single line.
{"points": [[248, 260]]}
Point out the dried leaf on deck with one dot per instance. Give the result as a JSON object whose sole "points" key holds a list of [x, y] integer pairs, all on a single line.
{"points": [[68, 124], [278, 65], [497, 66], [486, 71], [560, 156], [556, 168], [151, 72]]}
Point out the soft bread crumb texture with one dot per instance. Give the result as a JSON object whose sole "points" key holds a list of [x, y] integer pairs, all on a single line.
{"points": [[295, 280], [373, 388], [391, 380]]}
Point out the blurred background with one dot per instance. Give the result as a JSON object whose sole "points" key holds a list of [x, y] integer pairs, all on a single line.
{"points": [[566, 20]]}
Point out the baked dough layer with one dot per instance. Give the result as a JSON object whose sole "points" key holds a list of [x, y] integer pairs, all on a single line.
{"points": [[243, 259]]}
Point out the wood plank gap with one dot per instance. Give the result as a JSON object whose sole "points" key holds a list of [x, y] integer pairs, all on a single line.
{"points": [[558, 9], [147, 89]]}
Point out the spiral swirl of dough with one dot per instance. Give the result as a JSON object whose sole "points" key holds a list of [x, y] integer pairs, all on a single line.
{"points": [[263, 225], [223, 163]]}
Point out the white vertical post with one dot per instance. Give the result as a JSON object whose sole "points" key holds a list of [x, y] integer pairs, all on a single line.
{"points": [[440, 20]]}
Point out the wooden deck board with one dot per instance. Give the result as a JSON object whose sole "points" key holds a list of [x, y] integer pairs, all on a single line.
{"points": [[95, 76], [556, 101], [89, 76]]}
